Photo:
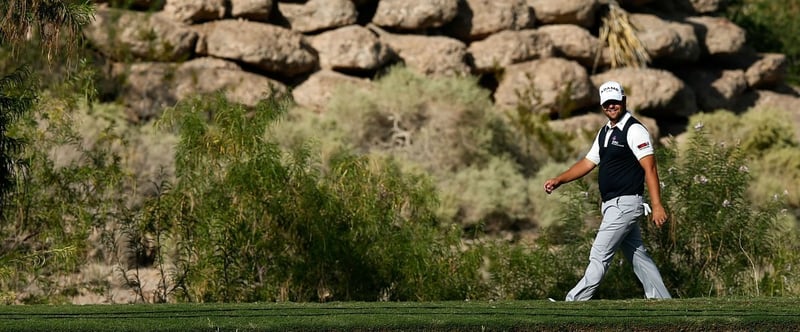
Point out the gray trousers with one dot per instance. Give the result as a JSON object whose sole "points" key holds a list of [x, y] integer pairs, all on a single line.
{"points": [[620, 228]]}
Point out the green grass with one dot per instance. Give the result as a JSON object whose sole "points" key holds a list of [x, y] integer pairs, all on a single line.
{"points": [[707, 314]]}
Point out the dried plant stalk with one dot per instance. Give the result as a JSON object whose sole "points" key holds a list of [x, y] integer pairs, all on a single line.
{"points": [[620, 35]]}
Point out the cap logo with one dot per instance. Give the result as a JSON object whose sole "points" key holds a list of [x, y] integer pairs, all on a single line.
{"points": [[609, 88]]}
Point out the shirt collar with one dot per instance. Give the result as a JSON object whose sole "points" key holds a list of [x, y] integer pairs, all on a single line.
{"points": [[621, 123]]}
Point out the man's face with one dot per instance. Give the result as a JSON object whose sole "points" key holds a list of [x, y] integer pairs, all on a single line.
{"points": [[614, 109]]}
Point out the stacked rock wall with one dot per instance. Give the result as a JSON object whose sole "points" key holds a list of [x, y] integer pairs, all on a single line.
{"points": [[165, 50]]}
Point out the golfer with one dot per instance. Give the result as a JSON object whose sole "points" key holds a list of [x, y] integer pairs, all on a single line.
{"points": [[624, 152]]}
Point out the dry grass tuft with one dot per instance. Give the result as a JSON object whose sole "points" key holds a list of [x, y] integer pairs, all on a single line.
{"points": [[620, 35]]}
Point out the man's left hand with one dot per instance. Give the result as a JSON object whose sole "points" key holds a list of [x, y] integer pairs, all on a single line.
{"points": [[659, 215]]}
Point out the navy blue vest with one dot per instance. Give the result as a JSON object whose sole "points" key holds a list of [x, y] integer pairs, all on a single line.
{"points": [[620, 171]]}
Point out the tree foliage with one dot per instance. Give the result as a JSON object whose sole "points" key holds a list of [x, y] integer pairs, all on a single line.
{"points": [[24, 256], [772, 26], [52, 21]]}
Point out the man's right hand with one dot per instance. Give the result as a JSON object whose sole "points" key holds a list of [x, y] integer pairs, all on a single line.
{"points": [[551, 185]]}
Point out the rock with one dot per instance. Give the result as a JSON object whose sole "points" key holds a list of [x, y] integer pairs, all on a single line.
{"points": [[651, 92], [764, 99], [717, 35], [150, 87], [208, 75], [265, 46], [714, 88], [768, 70], [256, 10], [552, 85], [123, 35], [350, 48], [663, 39], [318, 15], [578, 12], [434, 55], [509, 47], [316, 91], [414, 14], [478, 19], [576, 43], [189, 11]]}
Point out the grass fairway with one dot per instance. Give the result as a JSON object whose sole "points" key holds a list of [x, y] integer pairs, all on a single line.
{"points": [[709, 314]]}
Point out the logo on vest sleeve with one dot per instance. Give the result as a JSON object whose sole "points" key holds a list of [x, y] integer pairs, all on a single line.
{"points": [[643, 145]]}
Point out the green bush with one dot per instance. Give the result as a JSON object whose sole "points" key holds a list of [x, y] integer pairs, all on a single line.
{"points": [[718, 242], [479, 158], [777, 172], [254, 222], [766, 138], [55, 216], [492, 198]]}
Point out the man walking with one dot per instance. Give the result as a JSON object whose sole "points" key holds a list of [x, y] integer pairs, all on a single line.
{"points": [[624, 152]]}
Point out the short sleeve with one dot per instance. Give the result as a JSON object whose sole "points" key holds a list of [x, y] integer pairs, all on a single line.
{"points": [[639, 141]]}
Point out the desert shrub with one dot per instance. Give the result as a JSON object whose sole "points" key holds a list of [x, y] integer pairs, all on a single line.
{"points": [[561, 252], [255, 222], [718, 242], [777, 172], [555, 209], [480, 158], [756, 131], [766, 138], [490, 198], [442, 124]]}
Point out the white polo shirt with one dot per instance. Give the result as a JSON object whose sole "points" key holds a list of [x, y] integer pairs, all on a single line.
{"points": [[638, 140]]}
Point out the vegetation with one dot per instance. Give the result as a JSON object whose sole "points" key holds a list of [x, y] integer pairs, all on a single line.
{"points": [[413, 189], [772, 26], [30, 245], [620, 35]]}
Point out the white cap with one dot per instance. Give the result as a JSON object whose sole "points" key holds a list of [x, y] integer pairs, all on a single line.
{"points": [[611, 91]]}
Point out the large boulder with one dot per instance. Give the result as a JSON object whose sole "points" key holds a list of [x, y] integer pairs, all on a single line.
{"points": [[149, 87], [651, 92], [553, 86], [579, 12], [769, 69], [414, 14], [478, 19], [122, 35], [256, 10], [208, 75], [669, 40], [315, 92], [192, 11], [350, 48], [714, 88], [317, 15], [509, 47], [265, 46], [576, 43], [430, 55], [718, 35], [704, 6]]}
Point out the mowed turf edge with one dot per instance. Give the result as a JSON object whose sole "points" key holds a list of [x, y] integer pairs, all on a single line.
{"points": [[706, 314]]}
